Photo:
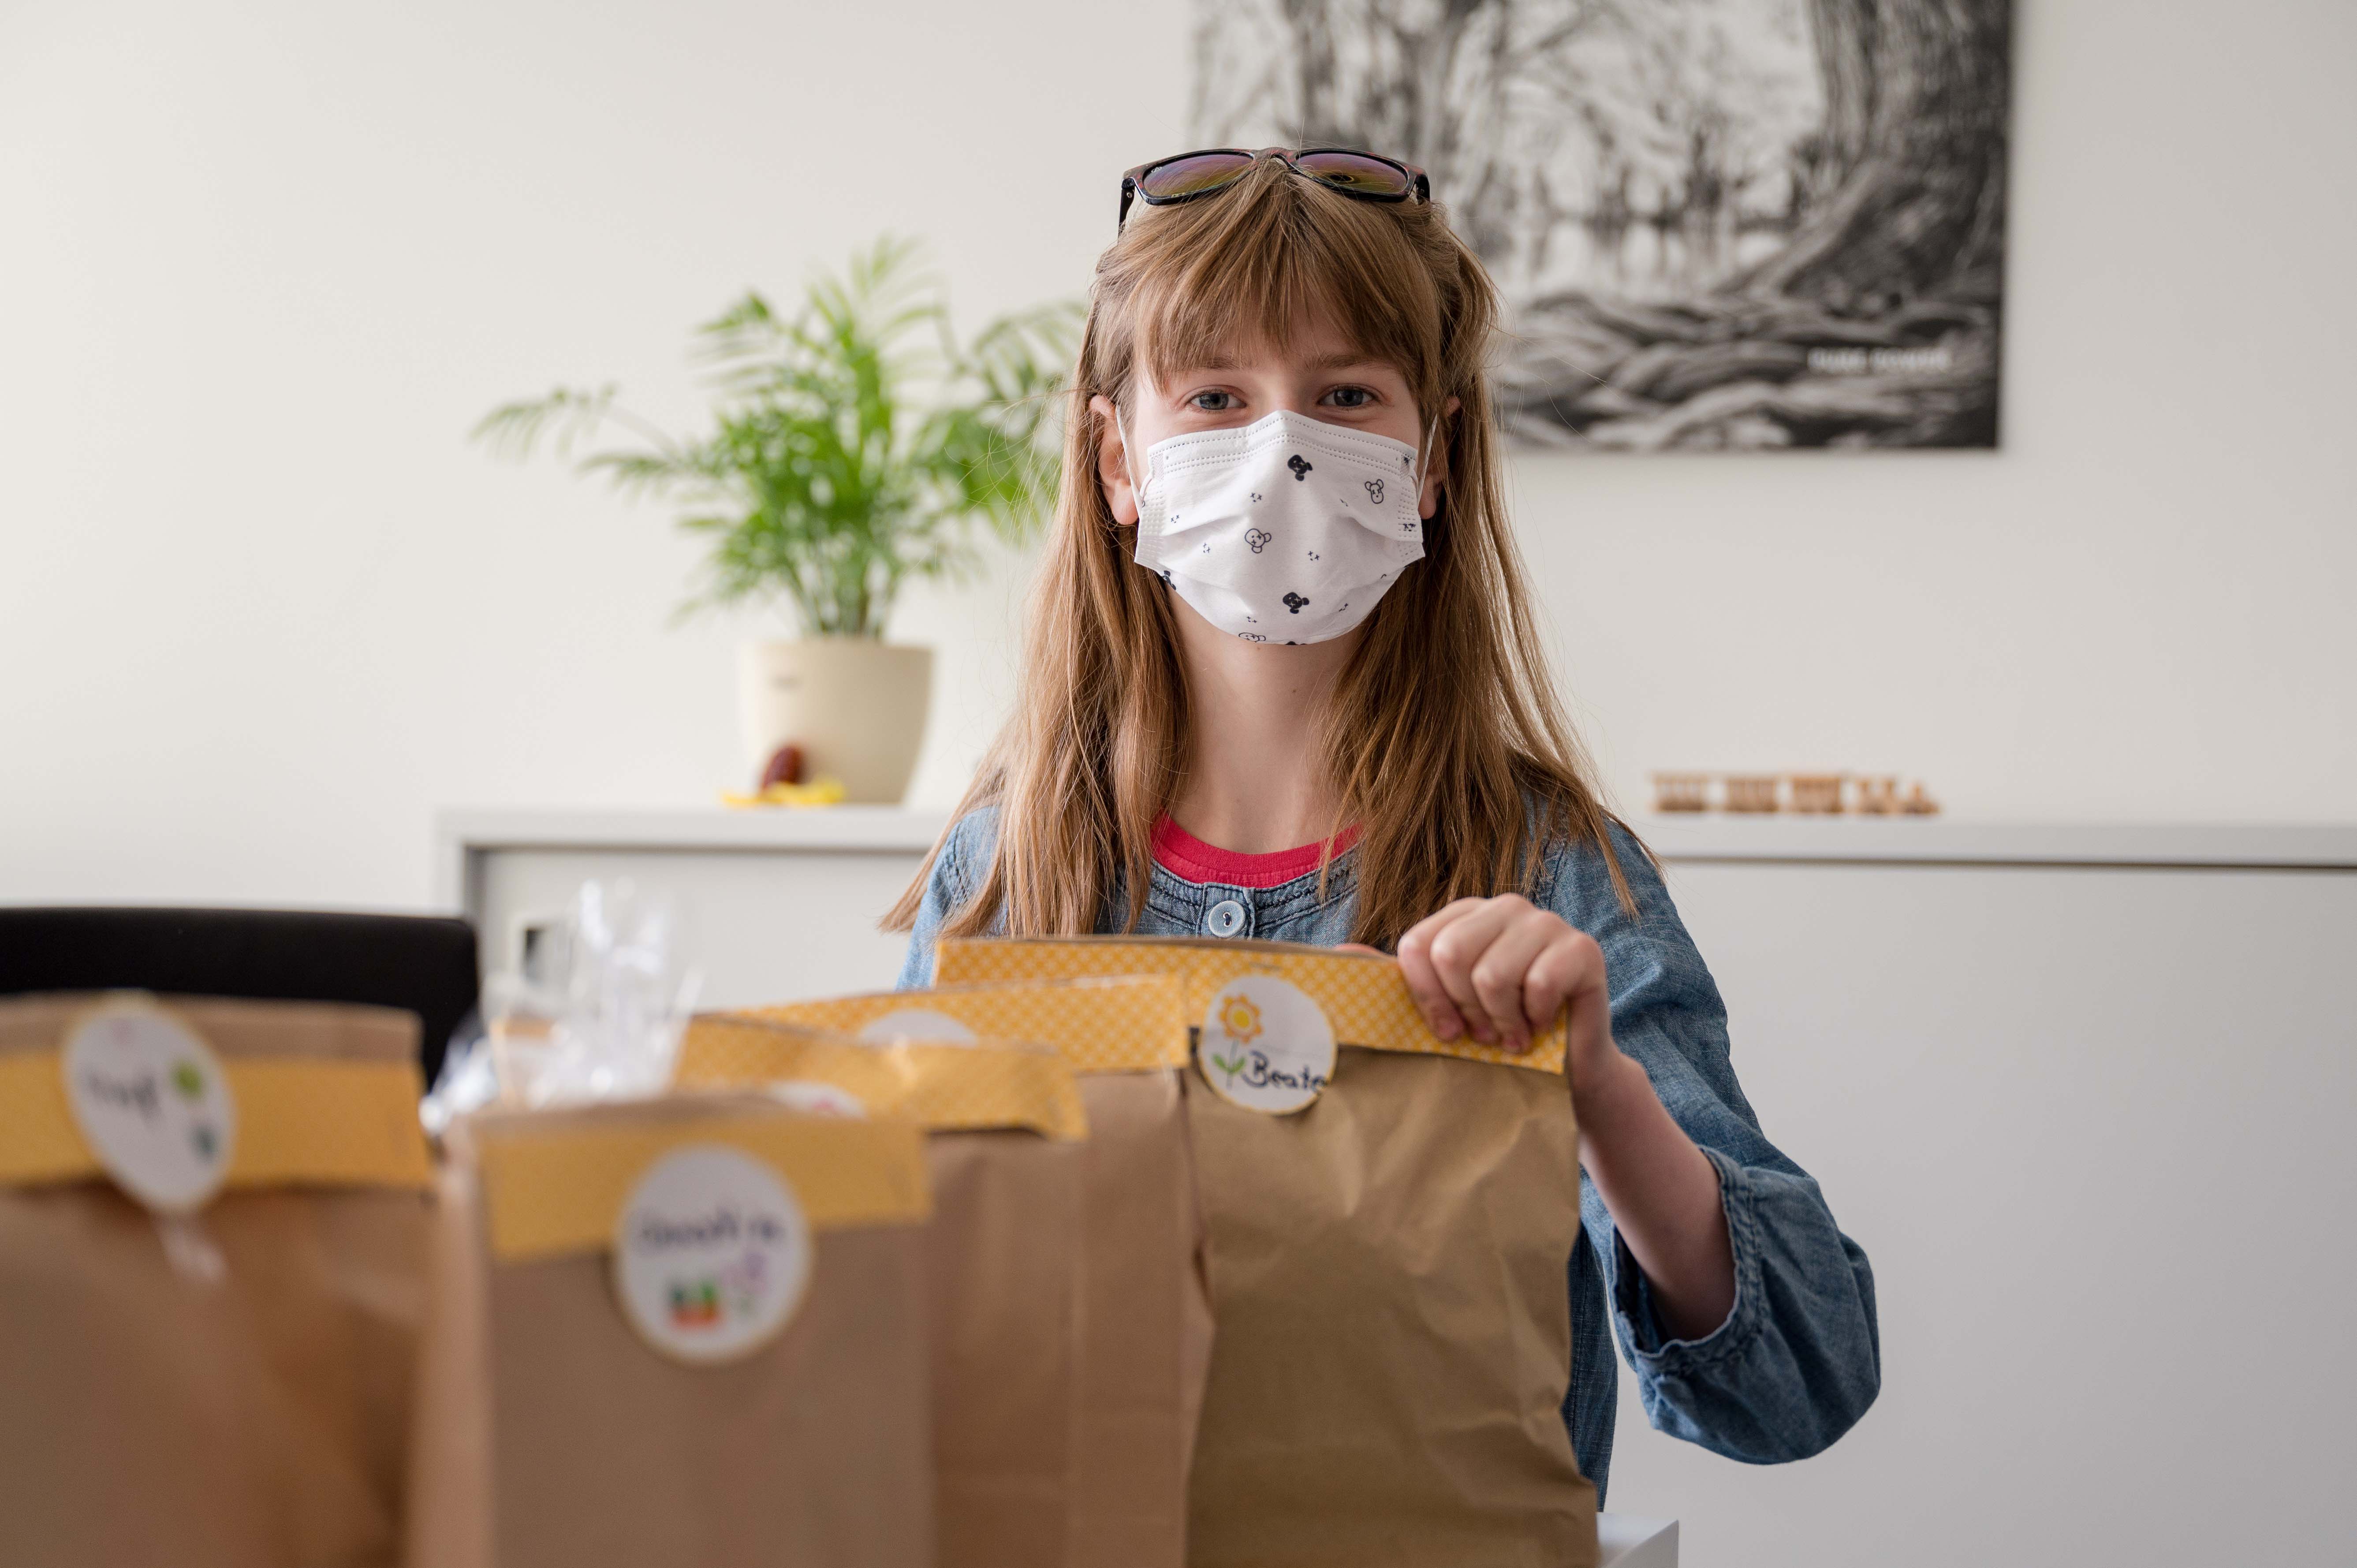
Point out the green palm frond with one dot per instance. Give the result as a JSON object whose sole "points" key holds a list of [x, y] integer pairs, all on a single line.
{"points": [[855, 443], [514, 429]]}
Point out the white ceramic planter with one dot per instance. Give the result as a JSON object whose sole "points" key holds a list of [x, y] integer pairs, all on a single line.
{"points": [[856, 707]]}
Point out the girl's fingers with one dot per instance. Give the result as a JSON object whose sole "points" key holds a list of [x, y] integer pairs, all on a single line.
{"points": [[1570, 964], [1502, 977], [1501, 969], [1423, 981], [1457, 948]]}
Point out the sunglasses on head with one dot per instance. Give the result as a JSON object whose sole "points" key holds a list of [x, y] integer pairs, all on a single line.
{"points": [[1168, 181]]}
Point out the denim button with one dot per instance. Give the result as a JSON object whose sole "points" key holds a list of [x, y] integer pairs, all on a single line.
{"points": [[1226, 919]]}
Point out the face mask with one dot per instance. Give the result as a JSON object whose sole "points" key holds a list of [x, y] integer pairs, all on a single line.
{"points": [[1287, 530]]}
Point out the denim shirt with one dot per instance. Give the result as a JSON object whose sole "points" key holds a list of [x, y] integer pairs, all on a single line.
{"points": [[1799, 1358]]}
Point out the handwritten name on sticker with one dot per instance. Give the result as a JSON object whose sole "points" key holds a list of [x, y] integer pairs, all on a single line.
{"points": [[1266, 1045], [152, 1102], [712, 1255]]}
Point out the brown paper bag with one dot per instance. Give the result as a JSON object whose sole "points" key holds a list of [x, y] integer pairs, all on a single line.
{"points": [[1002, 1257], [1144, 1318], [554, 1432], [1389, 1234], [233, 1387]]}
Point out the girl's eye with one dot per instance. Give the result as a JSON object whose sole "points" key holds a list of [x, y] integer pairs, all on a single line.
{"points": [[1350, 397], [1212, 402]]}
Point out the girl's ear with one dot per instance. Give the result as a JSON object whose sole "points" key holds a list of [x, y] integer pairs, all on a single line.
{"points": [[1113, 464], [1435, 466]]}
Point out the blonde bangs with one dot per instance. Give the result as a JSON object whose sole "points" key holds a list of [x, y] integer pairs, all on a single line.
{"points": [[1207, 281]]}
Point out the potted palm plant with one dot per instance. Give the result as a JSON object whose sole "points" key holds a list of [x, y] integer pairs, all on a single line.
{"points": [[857, 444]]}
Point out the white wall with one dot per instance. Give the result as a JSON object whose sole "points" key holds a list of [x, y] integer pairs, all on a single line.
{"points": [[262, 609]]}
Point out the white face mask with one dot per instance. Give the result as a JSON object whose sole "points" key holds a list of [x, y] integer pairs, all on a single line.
{"points": [[1286, 530]]}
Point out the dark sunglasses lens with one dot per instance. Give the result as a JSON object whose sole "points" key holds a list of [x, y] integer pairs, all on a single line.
{"points": [[1354, 172], [1193, 176]]}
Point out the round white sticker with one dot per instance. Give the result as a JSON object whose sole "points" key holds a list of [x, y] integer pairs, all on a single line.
{"points": [[918, 1024], [1266, 1045], [712, 1254], [152, 1102], [813, 1097]]}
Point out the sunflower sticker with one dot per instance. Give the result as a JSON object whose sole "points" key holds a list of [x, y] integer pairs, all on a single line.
{"points": [[1239, 1018], [1266, 1045]]}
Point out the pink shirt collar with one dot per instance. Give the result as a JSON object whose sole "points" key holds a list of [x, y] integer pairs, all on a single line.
{"points": [[1185, 857]]}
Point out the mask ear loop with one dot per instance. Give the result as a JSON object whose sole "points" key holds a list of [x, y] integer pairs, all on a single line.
{"points": [[1128, 461], [1424, 458], [1136, 493]]}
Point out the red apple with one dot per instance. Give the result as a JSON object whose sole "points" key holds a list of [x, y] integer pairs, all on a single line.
{"points": [[785, 767]]}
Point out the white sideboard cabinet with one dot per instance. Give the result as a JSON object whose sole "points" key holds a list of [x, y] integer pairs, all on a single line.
{"points": [[779, 903]]}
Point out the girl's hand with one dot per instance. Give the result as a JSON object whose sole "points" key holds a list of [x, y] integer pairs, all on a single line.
{"points": [[1501, 969]]}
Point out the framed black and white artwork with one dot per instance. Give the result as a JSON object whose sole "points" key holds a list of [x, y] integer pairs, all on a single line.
{"points": [[1718, 224]]}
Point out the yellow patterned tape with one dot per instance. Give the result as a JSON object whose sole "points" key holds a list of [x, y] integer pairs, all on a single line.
{"points": [[1123, 1024], [300, 1120], [939, 1087], [1364, 996], [554, 1182]]}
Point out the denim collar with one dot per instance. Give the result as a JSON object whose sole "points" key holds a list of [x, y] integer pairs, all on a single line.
{"points": [[1172, 898]]}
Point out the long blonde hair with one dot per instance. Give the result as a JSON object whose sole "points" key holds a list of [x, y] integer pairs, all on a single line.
{"points": [[1445, 741]]}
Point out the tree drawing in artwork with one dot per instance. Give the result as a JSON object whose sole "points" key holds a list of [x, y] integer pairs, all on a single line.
{"points": [[1718, 223]]}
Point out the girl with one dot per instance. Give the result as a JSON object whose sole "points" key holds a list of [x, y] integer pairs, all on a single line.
{"points": [[1282, 682]]}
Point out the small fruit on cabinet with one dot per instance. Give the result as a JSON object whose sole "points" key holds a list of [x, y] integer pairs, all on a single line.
{"points": [[784, 783], [784, 766], [820, 791]]}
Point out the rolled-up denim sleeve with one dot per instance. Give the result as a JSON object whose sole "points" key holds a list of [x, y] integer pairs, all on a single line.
{"points": [[951, 882], [1799, 1358]]}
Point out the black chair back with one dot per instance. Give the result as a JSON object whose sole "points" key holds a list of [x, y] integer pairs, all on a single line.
{"points": [[421, 964]]}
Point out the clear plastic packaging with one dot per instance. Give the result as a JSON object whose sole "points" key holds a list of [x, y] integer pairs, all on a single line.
{"points": [[596, 1014]]}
